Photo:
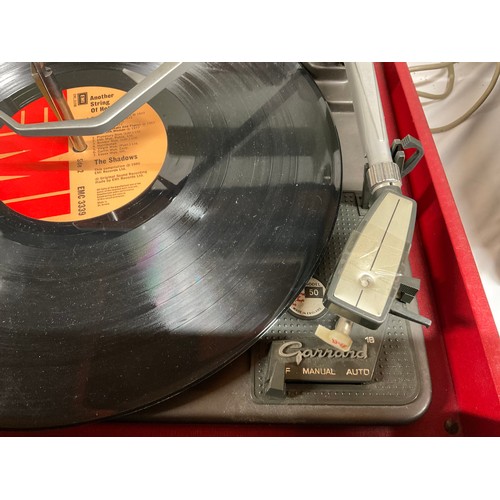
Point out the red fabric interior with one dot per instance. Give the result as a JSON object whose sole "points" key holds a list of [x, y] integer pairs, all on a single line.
{"points": [[468, 329]]}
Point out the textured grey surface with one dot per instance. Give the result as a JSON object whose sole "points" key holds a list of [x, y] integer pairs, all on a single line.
{"points": [[396, 379]]}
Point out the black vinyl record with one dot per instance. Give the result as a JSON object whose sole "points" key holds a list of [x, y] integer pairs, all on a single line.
{"points": [[113, 313]]}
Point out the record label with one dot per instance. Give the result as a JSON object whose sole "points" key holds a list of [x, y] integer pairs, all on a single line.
{"points": [[44, 178]]}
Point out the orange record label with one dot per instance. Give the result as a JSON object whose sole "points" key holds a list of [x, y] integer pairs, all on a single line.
{"points": [[44, 178]]}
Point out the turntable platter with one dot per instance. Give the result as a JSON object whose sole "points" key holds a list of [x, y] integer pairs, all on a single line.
{"points": [[110, 311]]}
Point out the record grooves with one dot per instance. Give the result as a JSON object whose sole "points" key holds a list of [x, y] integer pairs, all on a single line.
{"points": [[110, 314]]}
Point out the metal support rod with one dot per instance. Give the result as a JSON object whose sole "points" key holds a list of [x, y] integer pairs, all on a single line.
{"points": [[44, 78]]}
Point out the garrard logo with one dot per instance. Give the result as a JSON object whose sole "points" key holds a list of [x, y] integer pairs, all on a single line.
{"points": [[294, 349]]}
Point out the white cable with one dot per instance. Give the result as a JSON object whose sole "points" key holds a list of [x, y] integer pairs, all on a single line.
{"points": [[450, 66], [474, 107], [449, 87]]}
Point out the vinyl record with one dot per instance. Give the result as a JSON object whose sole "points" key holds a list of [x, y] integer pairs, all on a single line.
{"points": [[141, 266]]}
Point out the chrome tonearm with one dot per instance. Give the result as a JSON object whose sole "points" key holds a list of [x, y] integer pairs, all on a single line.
{"points": [[368, 283]]}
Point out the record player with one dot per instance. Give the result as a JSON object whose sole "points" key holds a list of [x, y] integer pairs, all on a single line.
{"points": [[211, 243]]}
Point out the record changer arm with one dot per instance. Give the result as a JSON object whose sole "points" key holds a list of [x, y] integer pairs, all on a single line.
{"points": [[140, 94]]}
